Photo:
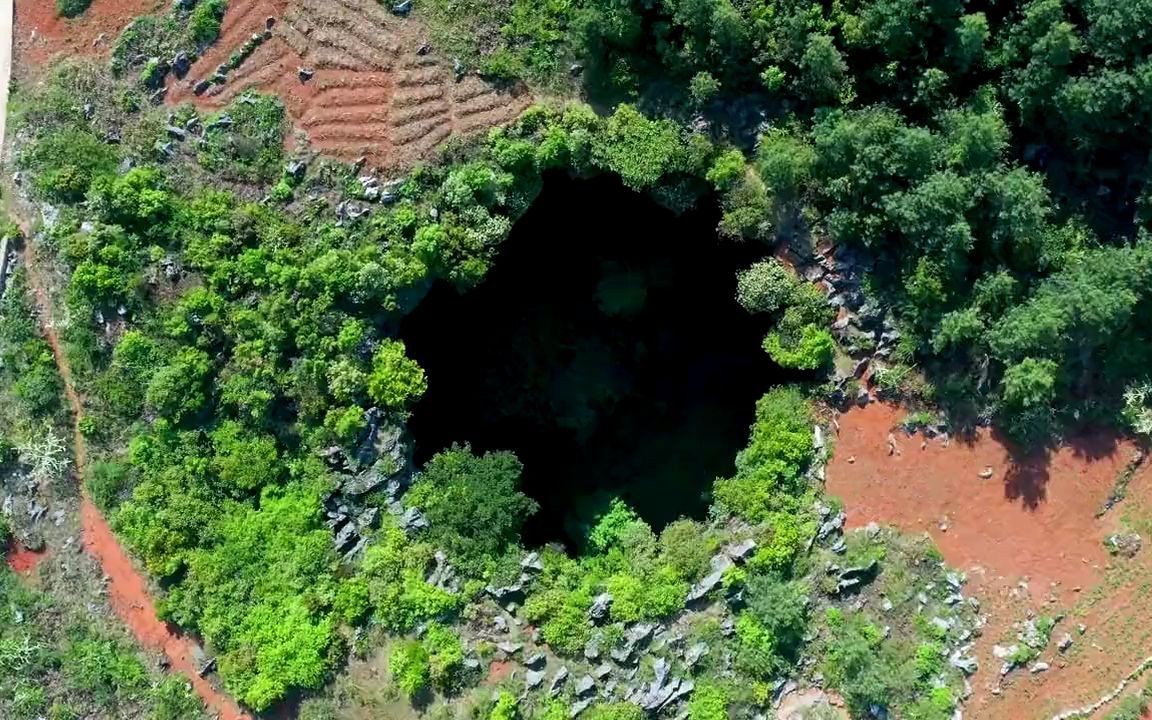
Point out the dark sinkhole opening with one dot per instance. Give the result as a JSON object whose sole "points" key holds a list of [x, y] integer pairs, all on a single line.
{"points": [[606, 349]]}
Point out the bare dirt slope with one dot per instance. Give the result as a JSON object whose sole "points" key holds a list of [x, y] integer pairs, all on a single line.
{"points": [[1029, 539], [41, 35], [377, 92]]}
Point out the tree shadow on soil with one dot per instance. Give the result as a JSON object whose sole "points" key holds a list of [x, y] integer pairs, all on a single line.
{"points": [[1027, 477]]}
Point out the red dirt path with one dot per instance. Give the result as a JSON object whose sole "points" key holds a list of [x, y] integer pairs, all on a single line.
{"points": [[41, 35], [22, 560], [1032, 522], [127, 589]]}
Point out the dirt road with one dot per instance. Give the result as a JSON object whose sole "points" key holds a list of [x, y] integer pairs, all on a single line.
{"points": [[6, 16]]}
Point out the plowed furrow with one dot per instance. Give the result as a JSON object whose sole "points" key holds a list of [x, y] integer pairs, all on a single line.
{"points": [[412, 132], [317, 116], [350, 133]]}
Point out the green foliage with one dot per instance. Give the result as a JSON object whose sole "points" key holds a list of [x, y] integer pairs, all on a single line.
{"points": [[445, 656], [473, 504], [505, 708], [105, 668], [709, 702], [72, 8], [394, 572], [64, 163], [409, 665], [395, 380], [250, 148], [769, 472], [766, 287], [638, 149], [615, 711], [204, 21], [812, 350]]}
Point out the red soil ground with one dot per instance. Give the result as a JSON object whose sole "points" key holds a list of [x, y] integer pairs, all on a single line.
{"points": [[127, 588], [22, 560], [373, 95], [1028, 539], [42, 35]]}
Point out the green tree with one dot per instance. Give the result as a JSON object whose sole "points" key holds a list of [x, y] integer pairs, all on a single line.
{"points": [[395, 381], [473, 504]]}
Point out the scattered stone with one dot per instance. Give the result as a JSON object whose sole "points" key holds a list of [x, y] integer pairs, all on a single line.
{"points": [[701, 589], [1039, 667], [402, 8], [532, 563], [886, 605], [592, 650], [558, 681], [305, 73], [1001, 652], [534, 679], [854, 577], [585, 687], [987, 472], [1065, 642], [201, 87], [413, 520], [1124, 544], [695, 653], [424, 49], [499, 624], [839, 547], [296, 169], [741, 551], [965, 664], [579, 706], [602, 671], [601, 606], [510, 648]]}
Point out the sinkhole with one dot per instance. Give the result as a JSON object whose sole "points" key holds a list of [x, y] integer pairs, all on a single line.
{"points": [[606, 349]]}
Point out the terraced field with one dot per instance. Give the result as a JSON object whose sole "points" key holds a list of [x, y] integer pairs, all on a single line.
{"points": [[378, 90]]}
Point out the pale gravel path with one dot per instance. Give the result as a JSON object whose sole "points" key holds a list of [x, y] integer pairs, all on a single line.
{"points": [[6, 16]]}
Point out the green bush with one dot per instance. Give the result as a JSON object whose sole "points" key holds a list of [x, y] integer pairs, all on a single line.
{"points": [[204, 21], [473, 504], [812, 350], [72, 8], [408, 664]]}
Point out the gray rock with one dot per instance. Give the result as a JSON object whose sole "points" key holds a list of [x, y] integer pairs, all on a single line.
{"points": [[695, 653], [413, 520], [701, 589], [600, 609], [558, 681], [532, 563], [602, 671], [499, 624], [402, 8], [509, 648], [580, 706], [296, 169], [592, 650], [536, 661], [965, 664], [1065, 642], [839, 547], [623, 655], [741, 551], [305, 73], [585, 687], [534, 679], [1039, 667]]}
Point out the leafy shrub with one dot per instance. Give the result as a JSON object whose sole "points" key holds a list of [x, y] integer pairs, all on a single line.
{"points": [[408, 664], [766, 286], [811, 351], [72, 8], [769, 472], [473, 503], [709, 702], [445, 656], [204, 21], [396, 381]]}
